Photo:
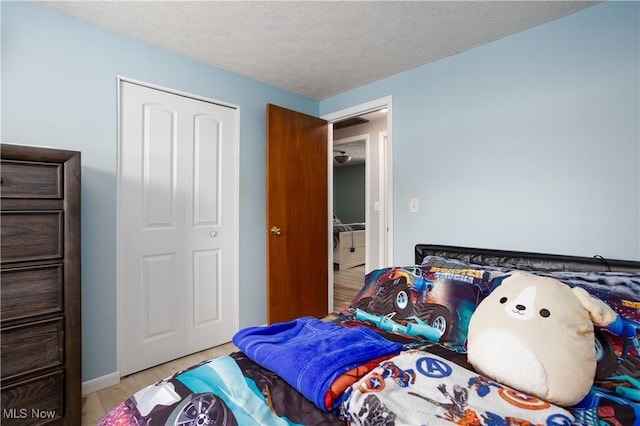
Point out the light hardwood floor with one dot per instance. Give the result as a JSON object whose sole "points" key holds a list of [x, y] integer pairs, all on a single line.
{"points": [[96, 405], [346, 284]]}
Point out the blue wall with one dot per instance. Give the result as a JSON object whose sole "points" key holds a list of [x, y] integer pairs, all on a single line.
{"points": [[59, 89], [530, 142]]}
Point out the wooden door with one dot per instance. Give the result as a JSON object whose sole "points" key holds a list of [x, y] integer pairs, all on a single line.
{"points": [[177, 226], [297, 215]]}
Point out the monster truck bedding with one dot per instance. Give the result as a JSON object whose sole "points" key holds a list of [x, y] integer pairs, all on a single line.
{"points": [[396, 356], [615, 395], [400, 302], [230, 390], [420, 302]]}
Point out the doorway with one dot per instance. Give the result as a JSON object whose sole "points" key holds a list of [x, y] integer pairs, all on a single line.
{"points": [[364, 180]]}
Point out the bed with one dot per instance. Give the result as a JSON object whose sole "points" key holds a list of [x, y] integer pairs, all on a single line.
{"points": [[348, 245], [367, 367]]}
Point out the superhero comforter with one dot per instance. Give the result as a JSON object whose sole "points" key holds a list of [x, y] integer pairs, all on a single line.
{"points": [[410, 387], [370, 368], [418, 387]]}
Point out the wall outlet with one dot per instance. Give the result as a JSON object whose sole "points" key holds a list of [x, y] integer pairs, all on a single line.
{"points": [[413, 205]]}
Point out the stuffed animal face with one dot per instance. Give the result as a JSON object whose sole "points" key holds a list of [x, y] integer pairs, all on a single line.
{"points": [[535, 334]]}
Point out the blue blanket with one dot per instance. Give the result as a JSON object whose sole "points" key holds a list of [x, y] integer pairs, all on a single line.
{"points": [[310, 354]]}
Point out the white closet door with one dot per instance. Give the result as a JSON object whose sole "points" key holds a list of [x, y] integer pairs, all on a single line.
{"points": [[177, 226]]}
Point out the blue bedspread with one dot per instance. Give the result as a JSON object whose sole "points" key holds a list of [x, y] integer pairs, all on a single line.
{"points": [[310, 354]]}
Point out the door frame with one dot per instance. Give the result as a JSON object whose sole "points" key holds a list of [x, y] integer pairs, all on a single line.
{"points": [[386, 163], [236, 187]]}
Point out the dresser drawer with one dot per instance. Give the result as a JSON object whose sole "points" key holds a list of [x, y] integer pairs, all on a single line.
{"points": [[31, 291], [31, 235], [31, 180], [32, 347], [37, 401], [40, 280]]}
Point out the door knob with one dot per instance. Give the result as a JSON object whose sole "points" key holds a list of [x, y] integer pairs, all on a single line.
{"points": [[276, 231]]}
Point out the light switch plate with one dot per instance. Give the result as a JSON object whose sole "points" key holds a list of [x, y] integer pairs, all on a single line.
{"points": [[413, 205]]}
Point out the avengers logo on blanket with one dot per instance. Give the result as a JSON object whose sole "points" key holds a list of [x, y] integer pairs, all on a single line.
{"points": [[418, 387]]}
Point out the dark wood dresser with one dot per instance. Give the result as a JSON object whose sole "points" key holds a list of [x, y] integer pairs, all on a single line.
{"points": [[40, 286]]}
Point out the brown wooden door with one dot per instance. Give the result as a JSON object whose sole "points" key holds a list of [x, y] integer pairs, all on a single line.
{"points": [[297, 215]]}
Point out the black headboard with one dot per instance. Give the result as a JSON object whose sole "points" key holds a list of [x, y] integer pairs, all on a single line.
{"points": [[525, 261]]}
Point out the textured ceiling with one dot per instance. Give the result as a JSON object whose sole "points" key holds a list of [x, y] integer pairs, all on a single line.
{"points": [[316, 48]]}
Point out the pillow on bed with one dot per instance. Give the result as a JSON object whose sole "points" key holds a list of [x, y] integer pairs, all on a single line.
{"points": [[402, 299], [615, 348], [491, 271], [620, 290]]}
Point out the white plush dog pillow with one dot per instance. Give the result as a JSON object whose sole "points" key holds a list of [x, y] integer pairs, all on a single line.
{"points": [[535, 334]]}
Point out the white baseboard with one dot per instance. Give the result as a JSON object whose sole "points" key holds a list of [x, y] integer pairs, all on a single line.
{"points": [[100, 383]]}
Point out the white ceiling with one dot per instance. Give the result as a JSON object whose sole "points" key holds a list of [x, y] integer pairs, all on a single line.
{"points": [[316, 48], [356, 150]]}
